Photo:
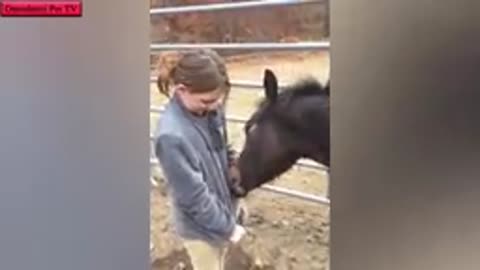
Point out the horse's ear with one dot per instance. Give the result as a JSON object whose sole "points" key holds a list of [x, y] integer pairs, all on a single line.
{"points": [[327, 87], [270, 84]]}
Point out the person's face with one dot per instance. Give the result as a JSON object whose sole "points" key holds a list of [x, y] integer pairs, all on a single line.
{"points": [[200, 103]]}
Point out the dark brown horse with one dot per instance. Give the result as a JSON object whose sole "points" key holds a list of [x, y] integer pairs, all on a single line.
{"points": [[286, 126]]}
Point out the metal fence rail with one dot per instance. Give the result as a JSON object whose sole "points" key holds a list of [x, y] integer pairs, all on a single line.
{"points": [[229, 6], [240, 120], [300, 164], [281, 190], [297, 194], [238, 83], [314, 45], [234, 119]]}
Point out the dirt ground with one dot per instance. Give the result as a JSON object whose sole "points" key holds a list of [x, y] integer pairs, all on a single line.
{"points": [[287, 233]]}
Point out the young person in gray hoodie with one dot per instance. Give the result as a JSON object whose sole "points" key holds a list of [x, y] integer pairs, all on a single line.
{"points": [[193, 154]]}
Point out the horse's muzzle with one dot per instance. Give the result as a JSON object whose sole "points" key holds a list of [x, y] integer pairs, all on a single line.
{"points": [[235, 183], [238, 191]]}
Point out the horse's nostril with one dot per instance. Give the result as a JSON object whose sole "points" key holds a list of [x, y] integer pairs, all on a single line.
{"points": [[238, 191]]}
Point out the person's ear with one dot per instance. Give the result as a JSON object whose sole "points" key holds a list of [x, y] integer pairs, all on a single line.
{"points": [[181, 88]]}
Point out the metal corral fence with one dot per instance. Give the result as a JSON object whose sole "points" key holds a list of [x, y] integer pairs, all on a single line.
{"points": [[245, 84]]}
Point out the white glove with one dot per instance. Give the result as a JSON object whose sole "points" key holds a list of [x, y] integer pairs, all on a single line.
{"points": [[237, 234]]}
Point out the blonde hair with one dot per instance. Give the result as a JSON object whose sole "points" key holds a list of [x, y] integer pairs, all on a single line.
{"points": [[202, 70], [166, 62]]}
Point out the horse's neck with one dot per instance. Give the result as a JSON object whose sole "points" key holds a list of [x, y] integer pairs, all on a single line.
{"points": [[317, 159], [321, 158]]}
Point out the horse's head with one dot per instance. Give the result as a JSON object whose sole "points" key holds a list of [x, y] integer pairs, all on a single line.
{"points": [[286, 126]]}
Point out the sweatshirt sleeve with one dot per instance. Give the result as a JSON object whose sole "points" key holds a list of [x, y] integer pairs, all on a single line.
{"points": [[189, 189]]}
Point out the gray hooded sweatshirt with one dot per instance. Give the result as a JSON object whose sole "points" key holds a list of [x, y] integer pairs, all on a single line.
{"points": [[192, 153]]}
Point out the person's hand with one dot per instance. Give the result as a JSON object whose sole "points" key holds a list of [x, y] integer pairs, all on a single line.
{"points": [[237, 234]]}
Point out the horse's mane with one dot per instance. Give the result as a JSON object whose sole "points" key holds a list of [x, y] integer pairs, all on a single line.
{"points": [[307, 87], [304, 88]]}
